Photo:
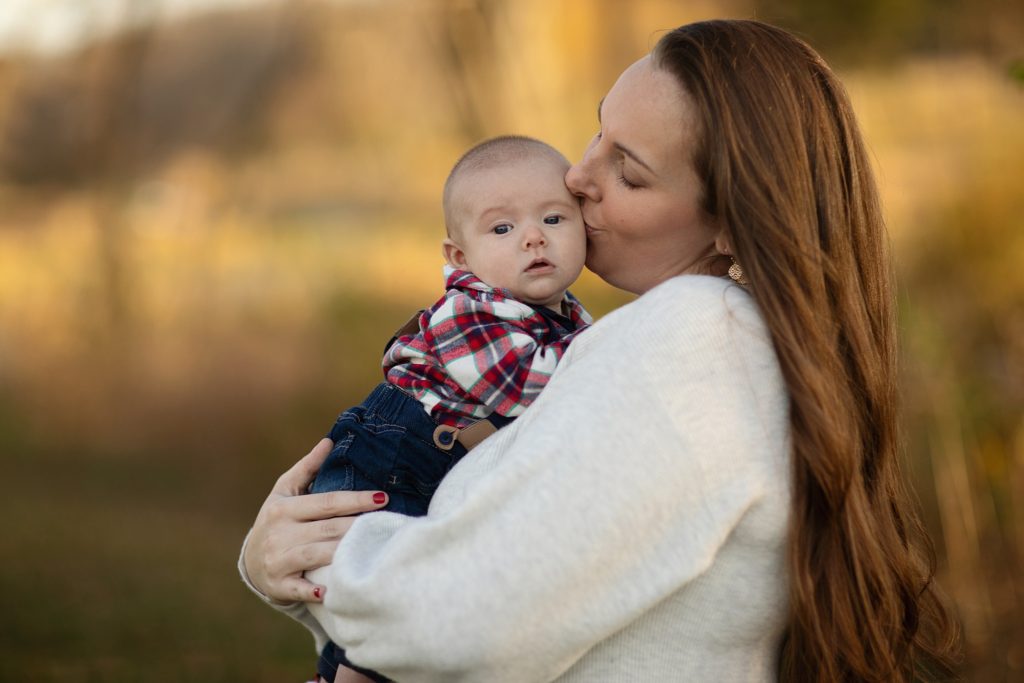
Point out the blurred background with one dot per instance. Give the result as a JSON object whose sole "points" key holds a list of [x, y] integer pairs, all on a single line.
{"points": [[214, 213]]}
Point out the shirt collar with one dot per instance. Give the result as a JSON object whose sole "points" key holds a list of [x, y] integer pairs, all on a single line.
{"points": [[463, 279]]}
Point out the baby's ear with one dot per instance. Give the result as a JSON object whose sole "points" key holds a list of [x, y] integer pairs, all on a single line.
{"points": [[453, 254]]}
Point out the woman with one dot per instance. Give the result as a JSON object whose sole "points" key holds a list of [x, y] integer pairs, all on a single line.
{"points": [[709, 487]]}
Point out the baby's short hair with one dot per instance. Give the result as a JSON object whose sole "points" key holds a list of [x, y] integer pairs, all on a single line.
{"points": [[489, 154]]}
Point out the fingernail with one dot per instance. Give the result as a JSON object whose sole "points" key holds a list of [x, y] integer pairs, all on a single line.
{"points": [[317, 592], [380, 498]]}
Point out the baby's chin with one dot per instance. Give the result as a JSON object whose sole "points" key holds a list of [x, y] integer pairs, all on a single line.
{"points": [[552, 301]]}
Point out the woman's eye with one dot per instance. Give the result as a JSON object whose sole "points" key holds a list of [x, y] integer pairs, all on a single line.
{"points": [[501, 229], [552, 220], [625, 183]]}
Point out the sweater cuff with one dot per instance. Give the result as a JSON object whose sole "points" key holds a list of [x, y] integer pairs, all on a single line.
{"points": [[281, 606], [296, 610]]}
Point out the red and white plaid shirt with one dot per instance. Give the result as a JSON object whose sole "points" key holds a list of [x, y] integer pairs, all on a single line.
{"points": [[480, 351]]}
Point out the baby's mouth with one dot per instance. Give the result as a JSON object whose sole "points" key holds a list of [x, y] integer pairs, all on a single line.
{"points": [[539, 265]]}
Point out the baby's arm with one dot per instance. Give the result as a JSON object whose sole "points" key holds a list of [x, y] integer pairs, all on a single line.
{"points": [[493, 350]]}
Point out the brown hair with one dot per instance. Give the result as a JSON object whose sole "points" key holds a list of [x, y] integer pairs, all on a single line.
{"points": [[787, 178], [490, 153]]}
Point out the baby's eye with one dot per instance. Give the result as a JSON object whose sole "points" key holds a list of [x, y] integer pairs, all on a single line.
{"points": [[552, 220], [501, 229]]}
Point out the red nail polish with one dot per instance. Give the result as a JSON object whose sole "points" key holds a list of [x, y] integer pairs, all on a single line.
{"points": [[316, 592], [380, 498]]}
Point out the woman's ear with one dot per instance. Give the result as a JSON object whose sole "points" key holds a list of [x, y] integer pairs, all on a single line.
{"points": [[453, 254], [722, 245]]}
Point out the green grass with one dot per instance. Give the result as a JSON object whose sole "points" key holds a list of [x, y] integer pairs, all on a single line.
{"points": [[124, 569]]}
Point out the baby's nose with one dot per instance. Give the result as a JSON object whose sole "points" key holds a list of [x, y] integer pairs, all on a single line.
{"points": [[534, 237]]}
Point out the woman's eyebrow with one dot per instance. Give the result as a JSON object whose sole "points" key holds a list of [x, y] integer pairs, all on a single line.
{"points": [[632, 155], [622, 148]]}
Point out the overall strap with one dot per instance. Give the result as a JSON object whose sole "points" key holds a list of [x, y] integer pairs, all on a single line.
{"points": [[412, 326], [471, 435], [444, 436]]}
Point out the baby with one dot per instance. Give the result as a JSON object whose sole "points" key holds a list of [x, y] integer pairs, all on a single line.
{"points": [[480, 355]]}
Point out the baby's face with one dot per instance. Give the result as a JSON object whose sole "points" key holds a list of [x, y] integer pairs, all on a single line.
{"points": [[520, 229]]}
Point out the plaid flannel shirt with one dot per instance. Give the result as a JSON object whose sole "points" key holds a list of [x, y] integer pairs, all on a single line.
{"points": [[480, 351]]}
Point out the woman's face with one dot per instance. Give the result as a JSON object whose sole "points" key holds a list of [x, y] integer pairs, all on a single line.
{"points": [[639, 192]]}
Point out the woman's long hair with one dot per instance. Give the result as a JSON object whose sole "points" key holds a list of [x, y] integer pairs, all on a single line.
{"points": [[786, 175]]}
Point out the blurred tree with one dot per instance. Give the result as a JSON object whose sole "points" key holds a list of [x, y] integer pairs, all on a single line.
{"points": [[466, 57], [124, 105], [876, 31], [109, 116]]}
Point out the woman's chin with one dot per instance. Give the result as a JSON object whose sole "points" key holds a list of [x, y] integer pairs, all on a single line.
{"points": [[598, 265], [609, 276]]}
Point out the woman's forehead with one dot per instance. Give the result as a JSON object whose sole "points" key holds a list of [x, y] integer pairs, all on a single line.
{"points": [[648, 112]]}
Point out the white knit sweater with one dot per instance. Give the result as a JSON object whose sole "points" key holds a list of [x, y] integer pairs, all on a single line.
{"points": [[629, 526]]}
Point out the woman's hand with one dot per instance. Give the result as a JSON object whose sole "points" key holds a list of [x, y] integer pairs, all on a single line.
{"points": [[294, 532]]}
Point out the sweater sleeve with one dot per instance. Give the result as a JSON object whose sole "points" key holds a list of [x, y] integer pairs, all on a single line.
{"points": [[616, 489], [493, 350]]}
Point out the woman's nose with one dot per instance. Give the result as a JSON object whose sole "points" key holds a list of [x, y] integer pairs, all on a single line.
{"points": [[579, 179], [574, 178]]}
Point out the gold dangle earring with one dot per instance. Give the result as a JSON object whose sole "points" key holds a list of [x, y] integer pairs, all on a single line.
{"points": [[736, 273]]}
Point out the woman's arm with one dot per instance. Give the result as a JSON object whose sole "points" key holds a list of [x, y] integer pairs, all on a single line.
{"points": [[617, 488], [294, 533]]}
